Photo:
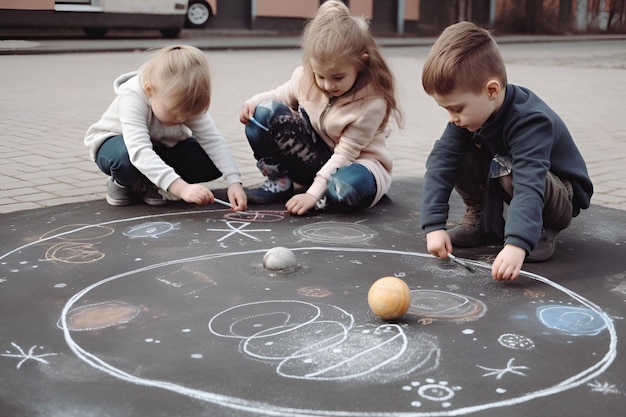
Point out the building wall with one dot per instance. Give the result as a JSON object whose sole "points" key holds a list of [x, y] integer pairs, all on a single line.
{"points": [[286, 8], [412, 10], [289, 15], [307, 8], [27, 4]]}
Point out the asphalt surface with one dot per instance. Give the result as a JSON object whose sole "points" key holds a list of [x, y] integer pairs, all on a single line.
{"points": [[53, 88], [60, 243]]}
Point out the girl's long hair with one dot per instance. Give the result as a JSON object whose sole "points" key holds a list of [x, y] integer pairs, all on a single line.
{"points": [[333, 35]]}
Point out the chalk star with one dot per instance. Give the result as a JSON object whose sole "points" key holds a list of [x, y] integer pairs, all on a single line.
{"points": [[237, 230], [26, 356], [604, 387], [499, 373]]}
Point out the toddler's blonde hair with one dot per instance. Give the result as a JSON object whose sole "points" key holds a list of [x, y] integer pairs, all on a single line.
{"points": [[180, 76], [333, 35], [463, 58]]}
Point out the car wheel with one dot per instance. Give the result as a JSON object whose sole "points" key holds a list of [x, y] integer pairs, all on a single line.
{"points": [[198, 14]]}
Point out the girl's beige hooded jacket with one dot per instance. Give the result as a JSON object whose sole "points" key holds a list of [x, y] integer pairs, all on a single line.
{"points": [[350, 125]]}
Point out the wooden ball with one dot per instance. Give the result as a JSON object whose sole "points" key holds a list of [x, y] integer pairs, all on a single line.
{"points": [[389, 298]]}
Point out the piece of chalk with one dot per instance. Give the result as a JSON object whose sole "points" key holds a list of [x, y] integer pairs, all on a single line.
{"points": [[222, 202], [460, 262], [227, 204], [256, 122]]}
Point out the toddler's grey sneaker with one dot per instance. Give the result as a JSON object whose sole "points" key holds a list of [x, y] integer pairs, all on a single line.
{"points": [[117, 195], [151, 196]]}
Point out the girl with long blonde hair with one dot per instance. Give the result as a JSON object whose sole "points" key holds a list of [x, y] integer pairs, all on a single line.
{"points": [[326, 128]]}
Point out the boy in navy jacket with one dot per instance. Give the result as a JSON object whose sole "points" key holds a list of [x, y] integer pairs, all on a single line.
{"points": [[503, 145]]}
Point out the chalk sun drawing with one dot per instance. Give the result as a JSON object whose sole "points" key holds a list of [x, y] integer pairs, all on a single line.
{"points": [[433, 390], [25, 356]]}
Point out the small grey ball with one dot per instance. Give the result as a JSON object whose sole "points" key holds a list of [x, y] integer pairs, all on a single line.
{"points": [[279, 259]]}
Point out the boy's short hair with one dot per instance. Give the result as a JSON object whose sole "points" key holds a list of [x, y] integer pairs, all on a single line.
{"points": [[180, 75], [463, 58]]}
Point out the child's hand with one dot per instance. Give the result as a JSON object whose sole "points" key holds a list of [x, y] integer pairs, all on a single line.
{"points": [[197, 194], [300, 203], [508, 263], [237, 197], [247, 110], [438, 243], [191, 193]]}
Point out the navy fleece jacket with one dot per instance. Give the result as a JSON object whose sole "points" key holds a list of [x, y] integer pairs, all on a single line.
{"points": [[534, 136]]}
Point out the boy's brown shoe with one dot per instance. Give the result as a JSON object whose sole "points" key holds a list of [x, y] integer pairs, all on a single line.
{"points": [[469, 232], [545, 246]]}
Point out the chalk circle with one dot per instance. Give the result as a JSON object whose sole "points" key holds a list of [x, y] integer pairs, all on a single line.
{"points": [[436, 392], [335, 232], [150, 229], [574, 321], [258, 216], [77, 232], [443, 305], [255, 319], [320, 342], [460, 308], [100, 315], [314, 292]]}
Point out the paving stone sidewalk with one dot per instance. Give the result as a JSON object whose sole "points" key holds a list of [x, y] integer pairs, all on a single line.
{"points": [[49, 100]]}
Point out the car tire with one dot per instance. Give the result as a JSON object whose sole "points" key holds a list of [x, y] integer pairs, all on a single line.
{"points": [[198, 14]]}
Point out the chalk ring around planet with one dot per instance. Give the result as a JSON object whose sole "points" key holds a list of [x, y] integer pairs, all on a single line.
{"points": [[272, 409]]}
